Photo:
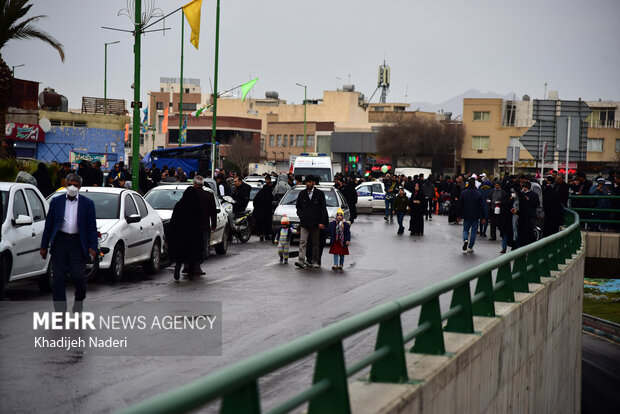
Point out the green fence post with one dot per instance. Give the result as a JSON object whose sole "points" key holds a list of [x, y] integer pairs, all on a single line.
{"points": [[533, 274], [552, 254], [462, 322], [431, 341], [506, 292], [542, 259], [392, 368], [520, 284], [242, 400], [330, 365], [485, 306]]}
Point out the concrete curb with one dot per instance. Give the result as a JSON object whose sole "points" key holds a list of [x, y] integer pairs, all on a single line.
{"points": [[601, 327]]}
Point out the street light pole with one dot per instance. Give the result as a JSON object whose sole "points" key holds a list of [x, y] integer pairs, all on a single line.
{"points": [[16, 66], [105, 77], [135, 144], [305, 103]]}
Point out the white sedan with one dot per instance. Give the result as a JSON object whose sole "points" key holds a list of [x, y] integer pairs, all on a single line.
{"points": [[163, 199], [23, 218], [130, 231]]}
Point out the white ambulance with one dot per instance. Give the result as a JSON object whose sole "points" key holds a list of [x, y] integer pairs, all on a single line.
{"points": [[319, 165]]}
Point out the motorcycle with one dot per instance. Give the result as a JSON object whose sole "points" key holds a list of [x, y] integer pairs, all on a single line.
{"points": [[240, 223]]}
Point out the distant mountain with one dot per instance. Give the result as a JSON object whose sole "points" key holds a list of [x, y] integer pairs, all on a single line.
{"points": [[455, 105]]}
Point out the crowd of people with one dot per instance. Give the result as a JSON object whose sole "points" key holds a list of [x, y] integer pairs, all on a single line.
{"points": [[521, 208]]}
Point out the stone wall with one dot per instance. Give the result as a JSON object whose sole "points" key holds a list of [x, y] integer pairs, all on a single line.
{"points": [[525, 360]]}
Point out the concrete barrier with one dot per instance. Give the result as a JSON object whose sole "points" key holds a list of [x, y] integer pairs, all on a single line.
{"points": [[525, 360], [602, 245]]}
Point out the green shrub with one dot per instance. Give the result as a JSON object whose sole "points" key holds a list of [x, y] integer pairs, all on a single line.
{"points": [[9, 167]]}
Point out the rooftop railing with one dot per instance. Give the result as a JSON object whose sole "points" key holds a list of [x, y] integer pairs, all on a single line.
{"points": [[237, 385]]}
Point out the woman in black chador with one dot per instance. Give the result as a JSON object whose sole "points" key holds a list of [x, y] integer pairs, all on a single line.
{"points": [[185, 242], [417, 209]]}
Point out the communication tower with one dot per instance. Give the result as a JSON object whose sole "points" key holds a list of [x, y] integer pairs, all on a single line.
{"points": [[384, 81]]}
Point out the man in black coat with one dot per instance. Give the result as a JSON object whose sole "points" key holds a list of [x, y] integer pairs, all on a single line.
{"points": [[312, 212], [555, 194], [208, 215], [241, 195], [350, 195]]}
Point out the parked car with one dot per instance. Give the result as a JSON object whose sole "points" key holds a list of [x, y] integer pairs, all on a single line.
{"points": [[130, 231], [23, 219], [333, 198], [163, 198], [371, 197]]}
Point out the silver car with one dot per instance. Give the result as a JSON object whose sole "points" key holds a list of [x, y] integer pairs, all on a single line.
{"points": [[333, 198]]}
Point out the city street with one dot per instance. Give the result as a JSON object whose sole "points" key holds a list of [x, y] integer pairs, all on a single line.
{"points": [[265, 303]]}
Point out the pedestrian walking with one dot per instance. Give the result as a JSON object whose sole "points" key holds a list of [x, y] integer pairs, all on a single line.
{"points": [[526, 211], [312, 212], [428, 189], [485, 190], [455, 201], [390, 193], [401, 205], [496, 199], [417, 205], [263, 202], [71, 230], [208, 215], [283, 239], [473, 211], [185, 240], [340, 236]]}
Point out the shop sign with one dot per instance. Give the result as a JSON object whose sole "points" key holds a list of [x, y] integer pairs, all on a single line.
{"points": [[24, 132]]}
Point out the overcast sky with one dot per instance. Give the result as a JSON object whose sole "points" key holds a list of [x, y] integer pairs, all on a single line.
{"points": [[436, 50]]}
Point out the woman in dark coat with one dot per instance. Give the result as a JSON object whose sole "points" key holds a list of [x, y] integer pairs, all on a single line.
{"points": [[44, 182], [262, 211], [505, 224], [455, 202], [184, 236], [417, 209]]}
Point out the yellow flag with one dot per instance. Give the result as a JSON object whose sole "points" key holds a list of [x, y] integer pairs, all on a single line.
{"points": [[192, 14]]}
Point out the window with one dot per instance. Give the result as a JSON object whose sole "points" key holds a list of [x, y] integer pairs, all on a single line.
{"points": [[188, 106], [595, 144], [602, 118], [379, 108], [482, 116], [510, 113], [169, 104], [19, 205], [272, 141], [141, 206], [364, 190], [279, 140], [160, 121], [300, 140], [618, 145], [285, 141], [480, 143], [55, 123], [141, 139], [376, 188], [310, 141], [38, 210], [79, 124], [130, 206], [159, 105], [292, 141], [186, 90]]}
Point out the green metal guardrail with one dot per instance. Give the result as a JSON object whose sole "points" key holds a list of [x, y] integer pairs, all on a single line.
{"points": [[595, 210], [237, 384]]}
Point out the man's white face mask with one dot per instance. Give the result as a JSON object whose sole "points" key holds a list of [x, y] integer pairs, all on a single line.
{"points": [[72, 191]]}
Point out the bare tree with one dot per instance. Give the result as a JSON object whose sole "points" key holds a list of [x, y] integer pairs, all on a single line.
{"points": [[420, 139], [241, 153]]}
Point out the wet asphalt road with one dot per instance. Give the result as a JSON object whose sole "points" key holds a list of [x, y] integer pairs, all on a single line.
{"points": [[264, 304], [601, 375]]}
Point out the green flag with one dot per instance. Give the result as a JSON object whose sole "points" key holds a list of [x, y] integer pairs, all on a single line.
{"points": [[200, 111], [245, 88]]}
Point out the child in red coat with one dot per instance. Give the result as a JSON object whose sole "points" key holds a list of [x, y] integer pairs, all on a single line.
{"points": [[340, 235]]}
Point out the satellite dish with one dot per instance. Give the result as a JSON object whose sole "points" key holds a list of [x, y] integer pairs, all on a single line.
{"points": [[45, 124], [526, 98]]}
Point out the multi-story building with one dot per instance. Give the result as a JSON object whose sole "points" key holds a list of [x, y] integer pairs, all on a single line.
{"points": [[603, 144], [493, 125]]}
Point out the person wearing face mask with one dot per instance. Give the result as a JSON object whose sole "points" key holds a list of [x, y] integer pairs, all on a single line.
{"points": [[71, 231]]}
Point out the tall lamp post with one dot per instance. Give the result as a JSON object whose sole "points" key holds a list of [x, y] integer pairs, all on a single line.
{"points": [[16, 66], [105, 77], [305, 102]]}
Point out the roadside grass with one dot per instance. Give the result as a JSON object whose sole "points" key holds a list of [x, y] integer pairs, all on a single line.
{"points": [[604, 309]]}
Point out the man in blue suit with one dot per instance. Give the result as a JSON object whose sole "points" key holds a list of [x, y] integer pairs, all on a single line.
{"points": [[71, 230]]}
